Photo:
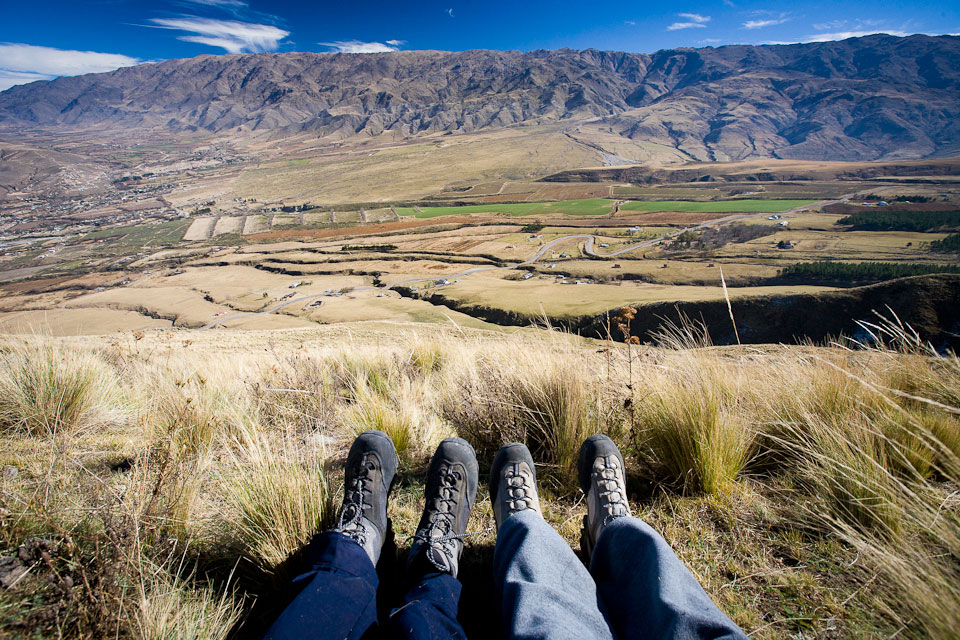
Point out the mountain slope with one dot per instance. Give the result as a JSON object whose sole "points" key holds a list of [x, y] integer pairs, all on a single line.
{"points": [[859, 99]]}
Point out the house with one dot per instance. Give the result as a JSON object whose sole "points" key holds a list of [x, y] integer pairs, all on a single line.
{"points": [[604, 245], [783, 223], [785, 244], [295, 284], [633, 230], [616, 266], [883, 203], [288, 296], [315, 303], [527, 276], [442, 282]]}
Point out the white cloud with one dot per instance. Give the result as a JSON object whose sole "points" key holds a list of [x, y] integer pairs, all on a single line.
{"points": [[843, 35], [693, 21], [356, 46], [230, 35], [630, 23], [450, 13], [230, 4], [760, 24], [22, 63]]}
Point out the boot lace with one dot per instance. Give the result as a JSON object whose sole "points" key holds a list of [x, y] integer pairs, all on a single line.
{"points": [[608, 477], [519, 484], [355, 501], [439, 536]]}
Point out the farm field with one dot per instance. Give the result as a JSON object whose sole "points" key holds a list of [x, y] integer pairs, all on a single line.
{"points": [[724, 206], [544, 295], [588, 207]]}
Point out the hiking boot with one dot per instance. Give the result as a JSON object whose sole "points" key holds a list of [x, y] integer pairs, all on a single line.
{"points": [[513, 482], [368, 476], [603, 480], [450, 493]]}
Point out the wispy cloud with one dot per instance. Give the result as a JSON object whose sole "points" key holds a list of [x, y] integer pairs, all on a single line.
{"points": [[231, 4], [843, 35], [692, 21], [630, 23], [450, 13], [760, 24], [22, 63], [356, 46], [230, 35]]}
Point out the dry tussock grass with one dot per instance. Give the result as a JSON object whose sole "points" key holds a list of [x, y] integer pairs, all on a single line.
{"points": [[217, 459]]}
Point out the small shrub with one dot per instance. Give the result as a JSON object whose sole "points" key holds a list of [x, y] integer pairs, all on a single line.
{"points": [[170, 608], [46, 389], [277, 496], [692, 430]]}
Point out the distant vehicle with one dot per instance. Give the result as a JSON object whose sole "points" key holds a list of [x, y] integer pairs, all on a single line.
{"points": [[604, 245], [883, 203]]}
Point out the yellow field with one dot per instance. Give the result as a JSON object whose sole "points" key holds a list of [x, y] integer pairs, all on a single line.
{"points": [[543, 295]]}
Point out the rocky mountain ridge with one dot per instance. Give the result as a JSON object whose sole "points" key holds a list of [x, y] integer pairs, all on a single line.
{"points": [[877, 97]]}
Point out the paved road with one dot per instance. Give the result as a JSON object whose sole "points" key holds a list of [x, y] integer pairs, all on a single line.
{"points": [[588, 248]]}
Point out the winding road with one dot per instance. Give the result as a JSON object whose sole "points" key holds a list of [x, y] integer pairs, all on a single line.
{"points": [[588, 248]]}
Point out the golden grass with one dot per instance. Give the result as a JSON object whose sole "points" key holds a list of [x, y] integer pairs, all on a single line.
{"points": [[233, 444]]}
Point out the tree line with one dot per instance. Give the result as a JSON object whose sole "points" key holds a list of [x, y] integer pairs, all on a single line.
{"points": [[829, 271], [902, 220]]}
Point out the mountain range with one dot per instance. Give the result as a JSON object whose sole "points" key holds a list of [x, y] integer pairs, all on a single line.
{"points": [[871, 98]]}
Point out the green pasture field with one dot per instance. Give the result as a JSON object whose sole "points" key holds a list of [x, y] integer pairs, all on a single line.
{"points": [[726, 206], [589, 207]]}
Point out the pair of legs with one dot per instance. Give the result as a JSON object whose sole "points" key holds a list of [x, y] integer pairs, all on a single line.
{"points": [[635, 587]]}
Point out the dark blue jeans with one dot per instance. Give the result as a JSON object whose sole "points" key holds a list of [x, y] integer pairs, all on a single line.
{"points": [[338, 599]]}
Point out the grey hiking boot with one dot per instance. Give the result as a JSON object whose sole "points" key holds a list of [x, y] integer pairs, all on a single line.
{"points": [[450, 494], [603, 480], [513, 482], [368, 476]]}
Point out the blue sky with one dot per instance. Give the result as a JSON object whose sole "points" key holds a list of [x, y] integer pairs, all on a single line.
{"points": [[42, 39]]}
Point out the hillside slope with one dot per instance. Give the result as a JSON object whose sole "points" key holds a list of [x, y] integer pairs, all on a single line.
{"points": [[859, 99]]}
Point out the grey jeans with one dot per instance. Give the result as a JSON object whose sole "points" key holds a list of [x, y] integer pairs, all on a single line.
{"points": [[636, 586]]}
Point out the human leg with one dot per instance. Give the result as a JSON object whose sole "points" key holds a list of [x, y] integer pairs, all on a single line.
{"points": [[337, 596], [337, 593], [646, 590], [429, 608], [546, 591]]}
